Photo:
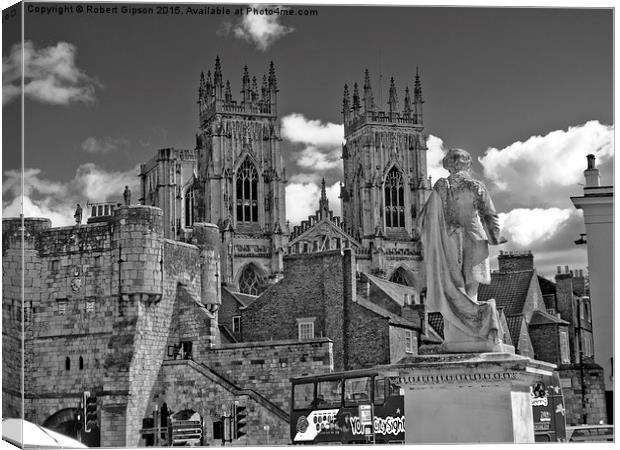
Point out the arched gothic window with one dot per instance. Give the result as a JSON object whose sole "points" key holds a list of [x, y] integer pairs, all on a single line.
{"points": [[250, 282], [247, 192], [189, 207], [394, 199], [399, 277]]}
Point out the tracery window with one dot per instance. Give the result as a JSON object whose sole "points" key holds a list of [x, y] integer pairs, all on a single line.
{"points": [[250, 282], [189, 207], [394, 199], [247, 192], [398, 277]]}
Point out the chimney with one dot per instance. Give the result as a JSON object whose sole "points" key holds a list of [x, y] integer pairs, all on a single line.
{"points": [[515, 261], [592, 176]]}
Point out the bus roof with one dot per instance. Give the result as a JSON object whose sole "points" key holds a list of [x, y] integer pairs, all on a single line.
{"points": [[335, 375]]}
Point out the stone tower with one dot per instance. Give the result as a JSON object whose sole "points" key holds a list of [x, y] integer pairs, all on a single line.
{"points": [[385, 181], [241, 176]]}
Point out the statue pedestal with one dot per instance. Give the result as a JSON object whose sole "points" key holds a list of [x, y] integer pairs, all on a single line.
{"points": [[468, 398]]}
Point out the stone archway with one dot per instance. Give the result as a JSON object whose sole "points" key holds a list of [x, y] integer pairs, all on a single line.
{"points": [[63, 422]]}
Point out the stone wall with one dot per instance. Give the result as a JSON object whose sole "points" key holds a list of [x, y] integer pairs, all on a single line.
{"points": [[267, 367], [188, 385], [546, 342], [595, 410], [368, 345], [314, 286], [100, 303]]}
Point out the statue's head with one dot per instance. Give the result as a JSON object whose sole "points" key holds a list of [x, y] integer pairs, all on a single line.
{"points": [[456, 160]]}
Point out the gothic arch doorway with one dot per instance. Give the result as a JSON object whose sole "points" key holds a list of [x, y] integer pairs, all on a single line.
{"points": [[251, 280]]}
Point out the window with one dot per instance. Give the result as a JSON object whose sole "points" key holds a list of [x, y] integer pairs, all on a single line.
{"points": [[249, 281], [189, 208], [62, 306], [98, 261], [379, 390], [247, 193], [185, 350], [67, 363], [81, 363], [236, 324], [328, 393], [564, 351], [398, 277], [394, 193], [303, 396], [408, 341], [305, 328], [356, 391], [588, 343], [55, 265]]}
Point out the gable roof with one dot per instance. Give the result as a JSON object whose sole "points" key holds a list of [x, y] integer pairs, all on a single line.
{"points": [[394, 319], [546, 286], [544, 318], [394, 290], [515, 323], [435, 320], [329, 225], [509, 289], [243, 299]]}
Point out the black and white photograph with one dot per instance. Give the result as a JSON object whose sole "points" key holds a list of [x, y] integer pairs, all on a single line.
{"points": [[231, 224]]}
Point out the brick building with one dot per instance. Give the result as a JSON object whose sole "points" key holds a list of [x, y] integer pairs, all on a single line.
{"points": [[370, 321]]}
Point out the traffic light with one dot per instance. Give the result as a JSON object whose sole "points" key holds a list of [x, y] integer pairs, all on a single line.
{"points": [[239, 424], [78, 417], [90, 412]]}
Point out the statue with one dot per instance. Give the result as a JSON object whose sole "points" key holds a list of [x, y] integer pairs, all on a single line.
{"points": [[458, 224], [127, 196], [78, 214]]}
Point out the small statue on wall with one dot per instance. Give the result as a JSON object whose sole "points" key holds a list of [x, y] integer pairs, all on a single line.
{"points": [[127, 196], [78, 214]]}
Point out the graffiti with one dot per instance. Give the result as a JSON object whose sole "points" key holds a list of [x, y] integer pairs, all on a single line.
{"points": [[384, 426]]}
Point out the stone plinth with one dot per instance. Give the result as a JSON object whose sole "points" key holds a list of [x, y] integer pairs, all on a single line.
{"points": [[467, 398]]}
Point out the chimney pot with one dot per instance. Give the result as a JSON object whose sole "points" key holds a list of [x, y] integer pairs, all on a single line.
{"points": [[559, 269], [565, 269]]}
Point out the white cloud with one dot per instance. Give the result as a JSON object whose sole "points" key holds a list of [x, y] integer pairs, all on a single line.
{"points": [[434, 156], [55, 200], [302, 200], [261, 30], [102, 145], [524, 227], [297, 129], [547, 164], [323, 141], [50, 75]]}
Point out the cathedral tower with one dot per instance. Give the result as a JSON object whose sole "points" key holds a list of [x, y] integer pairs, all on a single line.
{"points": [[240, 170], [240, 177], [385, 181]]}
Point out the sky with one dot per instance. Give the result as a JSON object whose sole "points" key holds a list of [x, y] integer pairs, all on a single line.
{"points": [[527, 91]]}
